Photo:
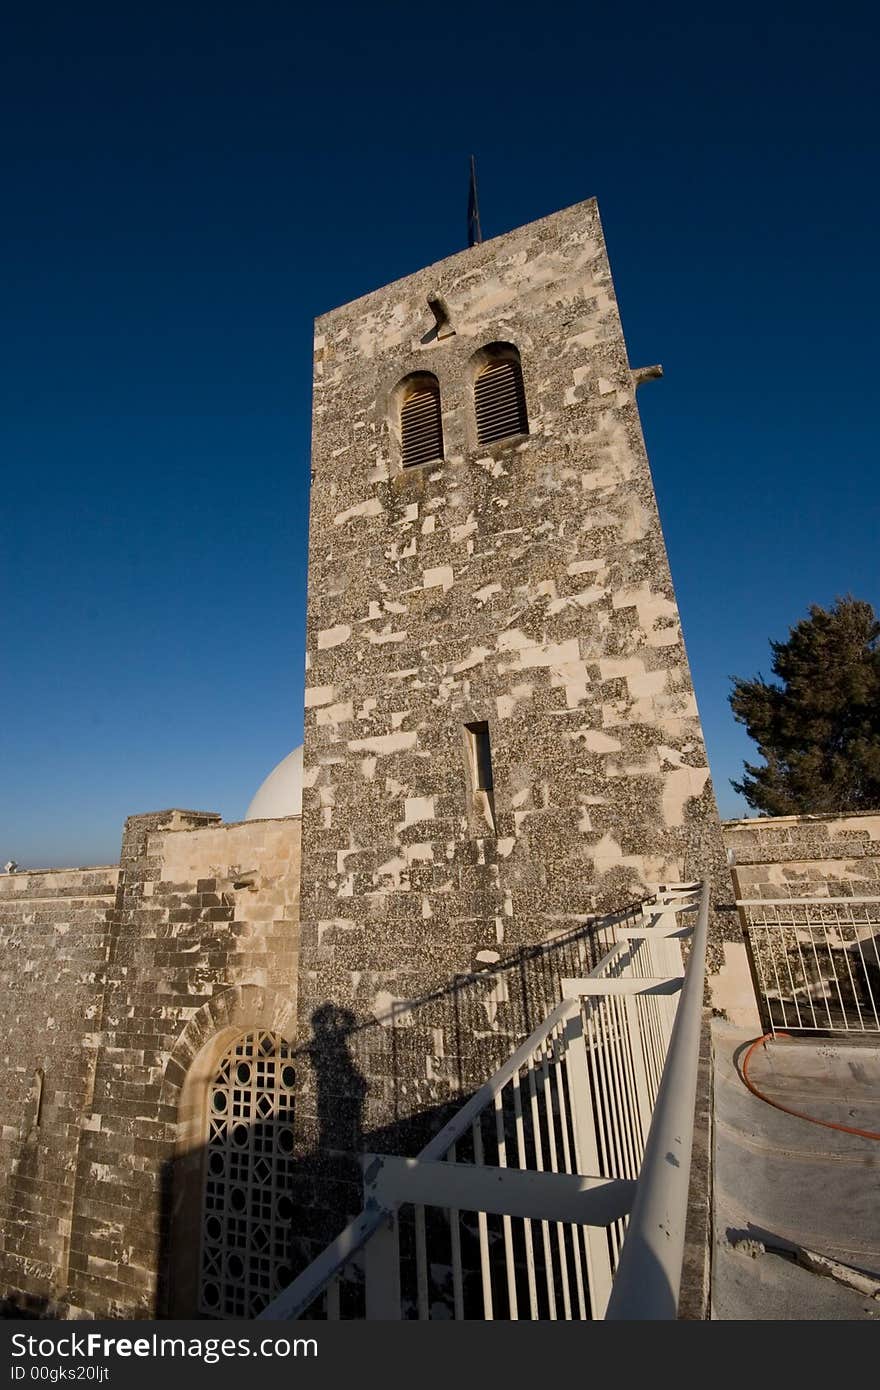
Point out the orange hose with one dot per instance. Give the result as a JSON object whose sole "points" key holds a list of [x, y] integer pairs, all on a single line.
{"points": [[799, 1114]]}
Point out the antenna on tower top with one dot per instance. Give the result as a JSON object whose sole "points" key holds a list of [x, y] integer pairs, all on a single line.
{"points": [[475, 235]]}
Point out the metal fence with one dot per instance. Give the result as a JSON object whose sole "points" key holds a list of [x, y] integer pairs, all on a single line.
{"points": [[539, 1199], [816, 962]]}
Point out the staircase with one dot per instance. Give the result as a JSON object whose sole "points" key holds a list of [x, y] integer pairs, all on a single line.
{"points": [[560, 1189]]}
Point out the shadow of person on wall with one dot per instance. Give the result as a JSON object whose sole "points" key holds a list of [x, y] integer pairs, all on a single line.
{"points": [[328, 1176], [371, 1084], [339, 1084]]}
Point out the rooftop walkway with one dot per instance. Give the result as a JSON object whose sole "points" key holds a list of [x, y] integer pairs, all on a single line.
{"points": [[781, 1183]]}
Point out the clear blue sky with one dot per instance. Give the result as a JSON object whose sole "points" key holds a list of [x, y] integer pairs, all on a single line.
{"points": [[185, 187]]}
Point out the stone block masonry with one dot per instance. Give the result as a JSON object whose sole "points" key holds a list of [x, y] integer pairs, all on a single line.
{"points": [[53, 936], [501, 741], [521, 587], [823, 856], [115, 980]]}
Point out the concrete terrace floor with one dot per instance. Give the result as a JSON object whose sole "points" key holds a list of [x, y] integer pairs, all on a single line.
{"points": [[781, 1182]]}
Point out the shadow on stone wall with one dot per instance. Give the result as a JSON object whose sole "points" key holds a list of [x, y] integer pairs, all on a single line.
{"points": [[369, 1086], [24, 1306]]}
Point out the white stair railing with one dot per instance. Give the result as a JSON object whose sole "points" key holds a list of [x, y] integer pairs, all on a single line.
{"points": [[530, 1202]]}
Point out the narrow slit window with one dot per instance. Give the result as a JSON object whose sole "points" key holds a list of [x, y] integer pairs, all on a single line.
{"points": [[500, 399], [481, 756], [421, 425]]}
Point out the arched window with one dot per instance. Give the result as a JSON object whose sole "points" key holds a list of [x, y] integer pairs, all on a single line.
{"points": [[247, 1206], [421, 426], [499, 395]]}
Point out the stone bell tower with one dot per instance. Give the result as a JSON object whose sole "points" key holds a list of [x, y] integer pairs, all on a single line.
{"points": [[501, 731]]}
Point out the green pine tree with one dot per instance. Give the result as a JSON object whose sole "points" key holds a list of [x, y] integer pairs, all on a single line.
{"points": [[818, 727]]}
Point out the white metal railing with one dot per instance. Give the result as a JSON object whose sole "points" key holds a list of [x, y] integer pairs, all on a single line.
{"points": [[816, 962], [540, 1198]]}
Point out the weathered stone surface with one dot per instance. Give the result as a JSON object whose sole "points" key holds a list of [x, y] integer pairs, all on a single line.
{"points": [[830, 856], [103, 971], [523, 585], [519, 588], [52, 949]]}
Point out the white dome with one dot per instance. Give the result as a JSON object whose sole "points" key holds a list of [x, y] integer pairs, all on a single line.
{"points": [[282, 792]]}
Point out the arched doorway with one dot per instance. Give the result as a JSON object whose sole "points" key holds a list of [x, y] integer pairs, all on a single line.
{"points": [[248, 1168]]}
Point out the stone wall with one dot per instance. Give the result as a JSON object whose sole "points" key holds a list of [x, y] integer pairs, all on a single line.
{"points": [[523, 585], [117, 982], [53, 935], [790, 857], [805, 856], [520, 587]]}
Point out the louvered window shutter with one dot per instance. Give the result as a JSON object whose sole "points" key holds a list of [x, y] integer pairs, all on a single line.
{"points": [[500, 402], [421, 428]]}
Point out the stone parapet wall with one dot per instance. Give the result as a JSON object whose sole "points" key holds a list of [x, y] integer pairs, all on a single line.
{"points": [[201, 912], [112, 980], [805, 856], [827, 856], [53, 942]]}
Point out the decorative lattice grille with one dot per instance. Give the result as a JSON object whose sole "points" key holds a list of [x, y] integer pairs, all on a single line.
{"points": [[500, 402], [248, 1208], [421, 428]]}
